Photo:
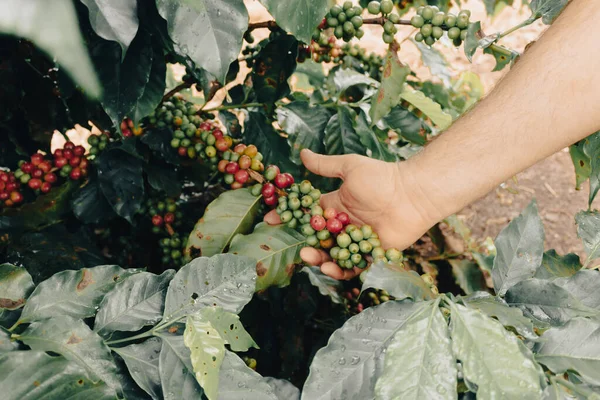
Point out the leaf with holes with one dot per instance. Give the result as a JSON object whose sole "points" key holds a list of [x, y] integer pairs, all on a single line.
{"points": [[177, 376], [354, 354], [327, 285], [15, 286], [419, 363], [427, 106], [73, 293], [340, 135], [229, 327], [392, 83], [276, 251], [503, 56], [75, 341], [31, 374], [224, 280], [397, 281], [520, 247], [231, 213], [581, 162], [492, 358], [206, 27], [588, 229], [133, 304], [555, 266], [299, 17], [142, 363]]}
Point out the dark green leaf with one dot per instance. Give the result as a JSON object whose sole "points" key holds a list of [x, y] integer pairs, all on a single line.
{"points": [[520, 247], [163, 177], [581, 162], [341, 79], [468, 275], [154, 88], [237, 380], [392, 83], [556, 266], [175, 369], [305, 126], [209, 32], [142, 363], [327, 285], [406, 124], [133, 304], [314, 72], [588, 229], [427, 106], [591, 148], [54, 28], [275, 250], [121, 180], [15, 286], [375, 148], [114, 20], [300, 18], [397, 281], [159, 140], [547, 9], [73, 293], [28, 375], [89, 204], [340, 136], [231, 213]]}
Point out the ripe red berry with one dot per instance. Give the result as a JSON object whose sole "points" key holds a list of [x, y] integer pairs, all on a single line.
{"points": [[46, 186], [37, 173], [290, 178], [2, 186], [334, 225], [182, 151], [34, 183], [205, 126], [75, 174], [221, 144], [318, 222], [221, 166], [157, 220], [127, 133], [50, 177], [10, 186], [27, 167], [242, 176], [344, 218], [270, 201], [69, 146], [45, 166], [3, 176], [239, 148], [5, 195], [124, 125], [74, 162], [16, 197], [232, 168], [330, 213], [169, 218], [217, 133], [268, 190], [281, 181], [68, 153], [37, 158], [60, 162], [245, 162], [79, 150], [58, 153]]}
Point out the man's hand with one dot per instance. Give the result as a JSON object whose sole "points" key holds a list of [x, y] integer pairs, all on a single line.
{"points": [[374, 193]]}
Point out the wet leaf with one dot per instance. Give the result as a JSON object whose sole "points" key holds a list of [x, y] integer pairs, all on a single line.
{"points": [[300, 17], [397, 281], [15, 286], [175, 369], [142, 363]]}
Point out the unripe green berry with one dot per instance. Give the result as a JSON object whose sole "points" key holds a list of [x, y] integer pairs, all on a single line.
{"points": [[438, 19], [428, 13], [305, 187], [387, 38], [378, 252], [437, 32], [374, 7], [393, 255], [374, 241], [394, 18], [186, 142], [323, 235], [419, 37], [210, 151], [359, 33], [305, 219], [293, 195], [367, 231], [429, 41], [307, 201], [356, 235], [343, 240], [342, 17], [453, 33], [298, 214], [365, 246], [354, 248], [463, 34], [465, 12], [357, 21], [450, 20], [334, 252], [347, 5], [286, 216], [256, 189], [295, 188], [312, 240], [386, 6], [315, 194], [332, 22], [426, 30], [349, 28], [417, 21], [294, 203], [420, 10], [175, 143], [389, 27], [343, 254], [362, 264], [316, 210], [228, 179], [350, 13], [462, 21], [307, 230], [293, 223], [355, 258], [335, 10]]}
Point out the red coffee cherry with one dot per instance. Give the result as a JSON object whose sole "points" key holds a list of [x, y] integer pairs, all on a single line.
{"points": [[169, 218], [34, 183], [344, 218], [79, 150], [318, 223], [69, 146], [232, 168], [268, 190], [50, 177], [242, 176], [330, 213], [74, 162], [16, 197], [37, 158], [157, 220], [281, 181], [334, 225], [68, 154], [60, 162], [46, 186], [37, 173], [75, 174], [270, 201]]}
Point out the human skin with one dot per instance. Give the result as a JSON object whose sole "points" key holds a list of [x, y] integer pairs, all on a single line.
{"points": [[549, 100]]}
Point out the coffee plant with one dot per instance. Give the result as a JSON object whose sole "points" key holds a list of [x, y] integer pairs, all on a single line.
{"points": [[135, 260]]}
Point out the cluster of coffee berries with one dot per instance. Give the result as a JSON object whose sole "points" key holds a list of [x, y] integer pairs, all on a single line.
{"points": [[37, 173], [346, 22], [238, 163], [430, 281], [172, 250], [371, 297], [385, 7], [327, 51], [10, 195], [432, 23], [97, 143], [371, 63], [164, 214], [272, 190], [128, 129], [71, 162], [298, 208]]}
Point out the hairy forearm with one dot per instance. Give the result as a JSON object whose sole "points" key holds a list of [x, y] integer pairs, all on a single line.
{"points": [[550, 99]]}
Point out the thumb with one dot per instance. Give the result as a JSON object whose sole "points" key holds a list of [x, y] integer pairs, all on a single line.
{"points": [[328, 166]]}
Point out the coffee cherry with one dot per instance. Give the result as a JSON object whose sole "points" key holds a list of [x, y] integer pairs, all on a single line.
{"points": [[58, 153], [74, 162], [68, 153], [271, 172], [426, 30], [387, 38], [242, 176], [16, 197], [343, 254], [289, 178], [34, 183], [157, 220], [221, 166], [37, 173], [245, 162], [428, 279], [268, 190], [334, 226], [330, 213], [281, 181], [342, 17], [324, 234], [286, 216], [27, 167], [367, 231], [365, 246], [374, 7], [46, 186], [387, 6], [378, 252], [312, 240], [315, 194], [221, 145], [450, 20], [335, 11], [437, 32], [428, 13], [327, 243], [417, 21], [454, 33], [343, 218], [389, 27], [75, 174], [36, 159], [318, 223], [438, 19], [393, 255], [50, 177], [429, 41], [45, 166], [257, 165], [79, 150], [316, 210], [182, 151], [462, 21], [419, 37], [307, 230], [354, 248], [169, 218], [463, 34], [232, 168], [294, 204], [270, 201]]}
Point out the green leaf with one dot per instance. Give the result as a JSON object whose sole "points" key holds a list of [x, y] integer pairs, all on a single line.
{"points": [[397, 281], [497, 308], [238, 381], [276, 251], [584, 286], [472, 40], [340, 136], [375, 148], [206, 27], [231, 213], [427, 106], [546, 302], [284, 389], [114, 20], [392, 83], [228, 326], [223, 280], [574, 346], [492, 358], [591, 148], [163, 177], [89, 204], [305, 126], [327, 285], [142, 363], [73, 293], [6, 343], [555, 266], [272, 67], [29, 375], [159, 140], [155, 86], [581, 162], [468, 275], [353, 357], [54, 28], [341, 79], [547, 9], [419, 363], [502, 55], [300, 17], [15, 286], [122, 181], [133, 304], [520, 247], [177, 375], [588, 229], [406, 124], [75, 341], [435, 61]]}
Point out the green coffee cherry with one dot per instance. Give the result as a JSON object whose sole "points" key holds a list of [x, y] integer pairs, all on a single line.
{"points": [[394, 18], [453, 33], [387, 6], [419, 37], [343, 254], [428, 13], [374, 7], [463, 34], [332, 22], [357, 21], [387, 38], [334, 252], [343, 240], [417, 21], [356, 235], [359, 33], [438, 19], [378, 252], [323, 235], [354, 248], [393, 255], [426, 30], [437, 32], [347, 5], [342, 17], [355, 258], [429, 41], [450, 20], [389, 27], [305, 187], [312, 240], [462, 21], [365, 246], [367, 231], [307, 230], [286, 216]]}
